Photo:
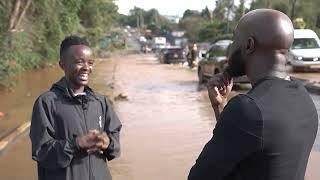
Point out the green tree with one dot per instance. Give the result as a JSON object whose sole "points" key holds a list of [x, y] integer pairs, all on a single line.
{"points": [[31, 30], [219, 11], [97, 16], [192, 25], [206, 13], [190, 13], [150, 19], [281, 6], [240, 10]]}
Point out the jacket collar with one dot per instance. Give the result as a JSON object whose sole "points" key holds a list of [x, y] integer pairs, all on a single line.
{"points": [[63, 87]]}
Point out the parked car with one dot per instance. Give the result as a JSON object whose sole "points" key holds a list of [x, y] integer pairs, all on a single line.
{"points": [[215, 61], [172, 55], [160, 53], [304, 53]]}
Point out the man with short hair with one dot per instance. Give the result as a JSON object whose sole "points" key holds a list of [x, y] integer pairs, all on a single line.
{"points": [[74, 131], [268, 133]]}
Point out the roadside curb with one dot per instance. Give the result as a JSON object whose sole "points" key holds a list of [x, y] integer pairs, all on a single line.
{"points": [[13, 136]]}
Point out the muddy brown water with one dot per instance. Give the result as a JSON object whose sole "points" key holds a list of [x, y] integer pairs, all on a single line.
{"points": [[17, 103], [167, 119]]}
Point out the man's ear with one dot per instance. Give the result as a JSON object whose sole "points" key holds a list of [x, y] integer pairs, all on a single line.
{"points": [[250, 45], [62, 64]]}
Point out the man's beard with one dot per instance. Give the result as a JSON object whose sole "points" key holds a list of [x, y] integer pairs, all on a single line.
{"points": [[236, 66]]}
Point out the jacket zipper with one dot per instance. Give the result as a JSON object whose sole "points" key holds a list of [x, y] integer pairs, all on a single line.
{"points": [[87, 131]]}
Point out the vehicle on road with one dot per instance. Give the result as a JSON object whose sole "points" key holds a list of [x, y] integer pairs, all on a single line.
{"points": [[215, 61], [304, 53], [172, 55], [158, 42]]}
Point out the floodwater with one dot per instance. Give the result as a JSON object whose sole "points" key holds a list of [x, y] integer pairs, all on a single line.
{"points": [[167, 119], [17, 103]]}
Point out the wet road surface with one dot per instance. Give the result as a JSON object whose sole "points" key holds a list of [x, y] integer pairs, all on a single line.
{"points": [[17, 103], [166, 122]]}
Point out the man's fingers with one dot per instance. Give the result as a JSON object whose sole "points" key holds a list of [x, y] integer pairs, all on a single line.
{"points": [[99, 144], [213, 82], [92, 150], [106, 141], [220, 80], [94, 133], [216, 91], [105, 146]]}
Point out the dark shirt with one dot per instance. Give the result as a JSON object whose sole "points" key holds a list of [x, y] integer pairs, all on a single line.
{"points": [[193, 54], [266, 134], [58, 118]]}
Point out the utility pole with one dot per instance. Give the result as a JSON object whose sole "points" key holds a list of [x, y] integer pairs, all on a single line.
{"points": [[293, 7], [230, 7]]}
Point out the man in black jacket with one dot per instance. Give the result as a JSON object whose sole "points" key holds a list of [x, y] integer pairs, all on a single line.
{"points": [[74, 131], [268, 133]]}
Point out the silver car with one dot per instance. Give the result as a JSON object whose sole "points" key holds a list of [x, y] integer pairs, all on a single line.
{"points": [[305, 51]]}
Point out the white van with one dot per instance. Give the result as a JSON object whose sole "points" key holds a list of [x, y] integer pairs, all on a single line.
{"points": [[305, 50]]}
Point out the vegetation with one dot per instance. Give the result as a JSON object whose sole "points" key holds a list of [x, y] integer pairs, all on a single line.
{"points": [[151, 19], [211, 26], [218, 24], [31, 30], [303, 13]]}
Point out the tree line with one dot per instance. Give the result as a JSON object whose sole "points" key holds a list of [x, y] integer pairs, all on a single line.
{"points": [[212, 25]]}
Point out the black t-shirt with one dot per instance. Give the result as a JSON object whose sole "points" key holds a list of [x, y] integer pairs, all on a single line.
{"points": [[266, 134]]}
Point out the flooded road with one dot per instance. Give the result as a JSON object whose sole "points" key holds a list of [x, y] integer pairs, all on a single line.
{"points": [[167, 119], [17, 103]]}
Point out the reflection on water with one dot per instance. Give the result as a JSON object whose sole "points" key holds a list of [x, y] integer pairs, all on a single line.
{"points": [[166, 120], [17, 104]]}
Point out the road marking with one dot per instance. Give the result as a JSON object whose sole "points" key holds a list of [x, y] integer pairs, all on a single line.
{"points": [[3, 144], [12, 136]]}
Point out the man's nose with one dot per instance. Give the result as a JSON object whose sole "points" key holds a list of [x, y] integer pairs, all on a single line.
{"points": [[86, 65]]}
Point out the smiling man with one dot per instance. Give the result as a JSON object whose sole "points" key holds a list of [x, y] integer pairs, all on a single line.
{"points": [[74, 131]]}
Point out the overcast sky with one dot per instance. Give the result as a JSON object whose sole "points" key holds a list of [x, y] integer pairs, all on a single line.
{"points": [[165, 7]]}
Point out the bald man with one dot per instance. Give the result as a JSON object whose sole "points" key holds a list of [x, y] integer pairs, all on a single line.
{"points": [[269, 132]]}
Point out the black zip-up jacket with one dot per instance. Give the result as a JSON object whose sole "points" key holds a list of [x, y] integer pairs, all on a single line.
{"points": [[58, 118], [266, 134]]}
